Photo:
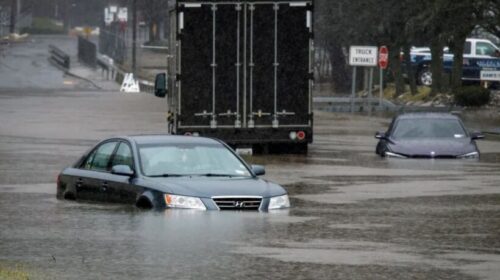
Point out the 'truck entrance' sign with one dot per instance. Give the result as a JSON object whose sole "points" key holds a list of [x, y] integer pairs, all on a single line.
{"points": [[363, 56]]}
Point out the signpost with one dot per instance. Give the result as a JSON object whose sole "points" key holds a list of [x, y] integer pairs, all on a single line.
{"points": [[383, 62], [362, 56], [489, 76]]}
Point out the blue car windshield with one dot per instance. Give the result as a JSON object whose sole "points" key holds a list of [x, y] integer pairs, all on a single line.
{"points": [[190, 160], [428, 128]]}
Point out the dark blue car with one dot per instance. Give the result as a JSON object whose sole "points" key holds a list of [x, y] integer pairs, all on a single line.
{"points": [[428, 135], [170, 172]]}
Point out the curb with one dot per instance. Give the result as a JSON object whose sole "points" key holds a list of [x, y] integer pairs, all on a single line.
{"points": [[69, 73]]}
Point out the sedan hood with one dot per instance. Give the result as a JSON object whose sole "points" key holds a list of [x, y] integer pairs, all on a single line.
{"points": [[433, 147], [209, 187]]}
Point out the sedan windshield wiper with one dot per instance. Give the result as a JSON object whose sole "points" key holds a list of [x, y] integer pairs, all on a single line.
{"points": [[167, 175], [219, 175]]}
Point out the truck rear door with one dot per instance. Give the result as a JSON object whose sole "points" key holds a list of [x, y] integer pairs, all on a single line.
{"points": [[244, 65], [280, 69]]}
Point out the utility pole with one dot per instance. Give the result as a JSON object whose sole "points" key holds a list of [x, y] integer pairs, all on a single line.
{"points": [[65, 15], [134, 38], [13, 16]]}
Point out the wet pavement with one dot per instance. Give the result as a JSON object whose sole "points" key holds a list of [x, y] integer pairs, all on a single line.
{"points": [[354, 215]]}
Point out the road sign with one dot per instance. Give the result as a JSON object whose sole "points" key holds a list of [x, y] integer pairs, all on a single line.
{"points": [[490, 75], [130, 84], [363, 56], [383, 57]]}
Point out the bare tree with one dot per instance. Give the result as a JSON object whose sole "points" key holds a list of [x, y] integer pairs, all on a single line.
{"points": [[154, 13]]}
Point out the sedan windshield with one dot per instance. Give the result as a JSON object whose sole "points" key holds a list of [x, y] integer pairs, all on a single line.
{"points": [[171, 160], [428, 128]]}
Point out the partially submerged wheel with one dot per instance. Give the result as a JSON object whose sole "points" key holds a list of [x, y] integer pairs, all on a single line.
{"points": [[144, 203], [425, 76]]}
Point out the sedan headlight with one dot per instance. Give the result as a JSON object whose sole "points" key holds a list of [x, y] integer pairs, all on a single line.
{"points": [[470, 155], [394, 155], [279, 202], [185, 202]]}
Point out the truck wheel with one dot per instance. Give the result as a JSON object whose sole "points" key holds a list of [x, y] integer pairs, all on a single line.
{"points": [[425, 76], [302, 148], [261, 149], [291, 148]]}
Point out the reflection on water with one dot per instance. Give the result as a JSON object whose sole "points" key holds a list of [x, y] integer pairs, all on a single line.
{"points": [[85, 240]]}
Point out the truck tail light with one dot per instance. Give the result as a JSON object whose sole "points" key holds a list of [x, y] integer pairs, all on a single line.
{"points": [[301, 135], [293, 135]]}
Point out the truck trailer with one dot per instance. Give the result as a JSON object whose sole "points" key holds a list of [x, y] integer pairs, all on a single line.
{"points": [[241, 71]]}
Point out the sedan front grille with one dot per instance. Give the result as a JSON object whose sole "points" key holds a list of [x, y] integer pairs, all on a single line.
{"points": [[429, 156], [238, 203]]}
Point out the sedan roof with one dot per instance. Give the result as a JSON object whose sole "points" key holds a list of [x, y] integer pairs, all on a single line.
{"points": [[426, 115], [171, 139]]}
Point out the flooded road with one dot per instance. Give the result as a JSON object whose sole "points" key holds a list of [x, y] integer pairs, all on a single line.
{"points": [[354, 215]]}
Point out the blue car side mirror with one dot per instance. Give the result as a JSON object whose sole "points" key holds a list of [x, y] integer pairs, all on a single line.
{"points": [[477, 136], [122, 170], [380, 135], [259, 170]]}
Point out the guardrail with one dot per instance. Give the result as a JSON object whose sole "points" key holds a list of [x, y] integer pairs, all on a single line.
{"points": [[59, 57], [342, 104]]}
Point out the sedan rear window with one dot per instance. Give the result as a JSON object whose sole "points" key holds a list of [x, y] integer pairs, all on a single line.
{"points": [[428, 128], [190, 160]]}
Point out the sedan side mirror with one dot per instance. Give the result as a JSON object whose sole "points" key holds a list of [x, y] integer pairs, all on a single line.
{"points": [[122, 170], [259, 170], [161, 85], [380, 135], [477, 136]]}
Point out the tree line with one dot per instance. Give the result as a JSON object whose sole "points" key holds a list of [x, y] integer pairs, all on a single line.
{"points": [[401, 24]]}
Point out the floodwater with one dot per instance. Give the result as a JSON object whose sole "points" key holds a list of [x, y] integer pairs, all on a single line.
{"points": [[354, 215]]}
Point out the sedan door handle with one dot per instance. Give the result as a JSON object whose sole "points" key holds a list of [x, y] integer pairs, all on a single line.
{"points": [[104, 187], [79, 183]]}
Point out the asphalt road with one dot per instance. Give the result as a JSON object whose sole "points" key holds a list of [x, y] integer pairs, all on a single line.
{"points": [[354, 215]]}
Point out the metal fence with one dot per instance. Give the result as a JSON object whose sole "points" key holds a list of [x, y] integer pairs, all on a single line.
{"points": [[113, 43], [23, 20], [4, 21]]}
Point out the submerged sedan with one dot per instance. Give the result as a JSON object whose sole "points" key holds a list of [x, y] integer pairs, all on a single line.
{"points": [[427, 135], [169, 172]]}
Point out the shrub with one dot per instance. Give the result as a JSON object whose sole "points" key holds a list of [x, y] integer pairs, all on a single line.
{"points": [[44, 26], [472, 96]]}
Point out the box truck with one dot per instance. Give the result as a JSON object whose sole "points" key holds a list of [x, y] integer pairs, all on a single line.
{"points": [[241, 71]]}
